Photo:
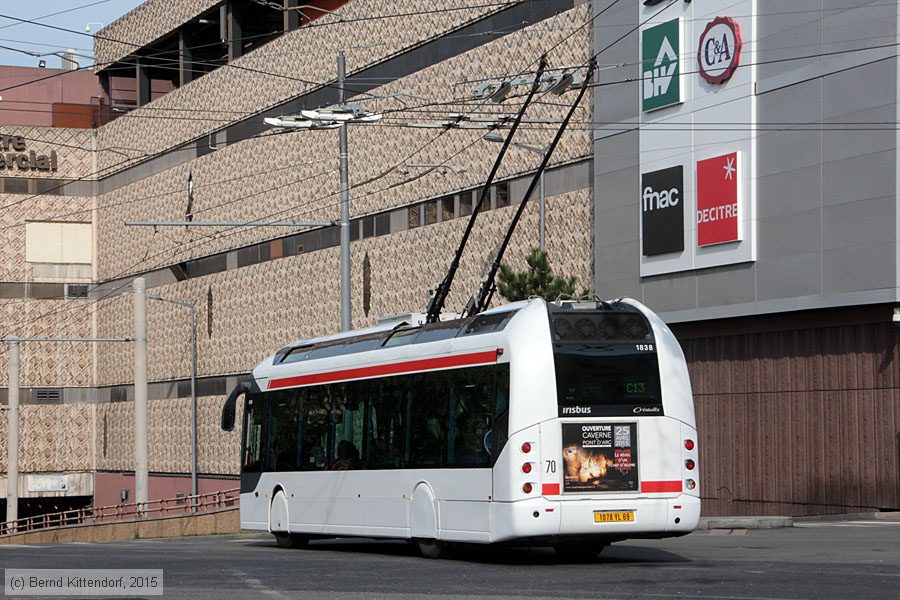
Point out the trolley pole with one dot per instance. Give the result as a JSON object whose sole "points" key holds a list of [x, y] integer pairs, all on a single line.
{"points": [[346, 319], [12, 448], [141, 475]]}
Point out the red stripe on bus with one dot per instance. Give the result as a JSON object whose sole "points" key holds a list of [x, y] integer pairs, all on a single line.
{"points": [[657, 487], [550, 489], [425, 364]]}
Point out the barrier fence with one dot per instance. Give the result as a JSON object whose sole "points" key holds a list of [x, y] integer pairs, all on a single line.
{"points": [[166, 507]]}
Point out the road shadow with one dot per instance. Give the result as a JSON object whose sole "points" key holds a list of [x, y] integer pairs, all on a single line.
{"points": [[619, 554]]}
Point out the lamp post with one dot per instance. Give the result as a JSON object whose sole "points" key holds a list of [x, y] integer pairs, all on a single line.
{"points": [[494, 137], [192, 306], [336, 118]]}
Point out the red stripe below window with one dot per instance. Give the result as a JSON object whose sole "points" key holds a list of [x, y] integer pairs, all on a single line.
{"points": [[658, 487], [426, 364]]}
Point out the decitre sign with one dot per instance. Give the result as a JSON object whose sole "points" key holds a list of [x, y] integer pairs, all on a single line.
{"points": [[661, 65], [14, 154], [718, 199], [719, 52], [662, 211]]}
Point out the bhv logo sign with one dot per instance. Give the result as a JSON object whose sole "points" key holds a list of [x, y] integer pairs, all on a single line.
{"points": [[661, 65], [719, 53]]}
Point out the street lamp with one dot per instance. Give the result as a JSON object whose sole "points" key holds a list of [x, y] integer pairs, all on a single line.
{"points": [[337, 117], [192, 306], [495, 137]]}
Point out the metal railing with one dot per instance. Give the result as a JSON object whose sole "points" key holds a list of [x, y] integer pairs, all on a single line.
{"points": [[166, 507]]}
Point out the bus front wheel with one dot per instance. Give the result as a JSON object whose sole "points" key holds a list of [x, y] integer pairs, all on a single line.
{"points": [[579, 551], [431, 548], [291, 540]]}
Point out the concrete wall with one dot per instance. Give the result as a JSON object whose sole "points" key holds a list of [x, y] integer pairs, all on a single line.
{"points": [[827, 192]]}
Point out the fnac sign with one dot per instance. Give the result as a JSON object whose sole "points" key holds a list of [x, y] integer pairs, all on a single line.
{"points": [[719, 54]]}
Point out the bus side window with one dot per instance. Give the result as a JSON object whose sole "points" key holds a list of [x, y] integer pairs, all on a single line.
{"points": [[281, 446], [315, 418], [384, 425], [253, 430], [428, 422], [347, 422], [471, 416]]}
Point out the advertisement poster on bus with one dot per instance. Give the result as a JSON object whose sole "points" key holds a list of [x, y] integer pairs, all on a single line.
{"points": [[600, 457]]}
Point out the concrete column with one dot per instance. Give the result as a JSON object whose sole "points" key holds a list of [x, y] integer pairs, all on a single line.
{"points": [[141, 473], [234, 30], [185, 59], [291, 17], [12, 455], [141, 82]]}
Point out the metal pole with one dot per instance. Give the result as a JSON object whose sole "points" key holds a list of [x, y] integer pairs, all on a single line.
{"points": [[193, 307], [542, 214], [141, 475], [346, 321], [12, 448]]}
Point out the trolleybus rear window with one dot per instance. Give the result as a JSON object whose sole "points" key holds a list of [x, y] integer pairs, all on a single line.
{"points": [[606, 365]]}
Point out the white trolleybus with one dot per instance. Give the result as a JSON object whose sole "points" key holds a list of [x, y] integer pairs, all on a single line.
{"points": [[565, 424]]}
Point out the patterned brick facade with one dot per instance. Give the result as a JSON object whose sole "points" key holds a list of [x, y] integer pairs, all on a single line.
{"points": [[255, 178], [369, 30], [257, 309]]}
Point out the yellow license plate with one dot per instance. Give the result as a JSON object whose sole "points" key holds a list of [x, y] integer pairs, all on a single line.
{"points": [[614, 517]]}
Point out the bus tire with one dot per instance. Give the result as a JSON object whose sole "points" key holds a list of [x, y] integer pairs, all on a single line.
{"points": [[579, 552], [291, 540], [431, 548]]}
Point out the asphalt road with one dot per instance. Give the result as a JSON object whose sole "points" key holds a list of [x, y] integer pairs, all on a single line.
{"points": [[845, 560]]}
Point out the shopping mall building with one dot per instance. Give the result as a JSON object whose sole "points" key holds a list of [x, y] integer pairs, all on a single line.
{"points": [[734, 166]]}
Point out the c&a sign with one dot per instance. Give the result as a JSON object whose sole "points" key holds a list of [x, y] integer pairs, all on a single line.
{"points": [[719, 53]]}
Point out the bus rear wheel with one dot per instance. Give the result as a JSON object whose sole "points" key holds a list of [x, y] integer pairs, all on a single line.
{"points": [[431, 548], [291, 540], [579, 551]]}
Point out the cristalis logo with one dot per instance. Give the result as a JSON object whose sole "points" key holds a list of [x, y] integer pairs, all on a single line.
{"points": [[576, 410], [643, 410], [661, 65], [662, 211]]}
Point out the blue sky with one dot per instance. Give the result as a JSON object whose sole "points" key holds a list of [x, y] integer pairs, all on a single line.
{"points": [[33, 38]]}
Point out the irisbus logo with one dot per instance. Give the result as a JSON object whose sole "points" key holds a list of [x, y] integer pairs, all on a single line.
{"points": [[576, 410]]}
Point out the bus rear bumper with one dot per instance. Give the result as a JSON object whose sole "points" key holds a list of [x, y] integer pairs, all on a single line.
{"points": [[541, 518]]}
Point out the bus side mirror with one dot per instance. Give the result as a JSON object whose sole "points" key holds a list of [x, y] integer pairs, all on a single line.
{"points": [[230, 407]]}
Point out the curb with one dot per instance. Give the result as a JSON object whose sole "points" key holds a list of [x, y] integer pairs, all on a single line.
{"points": [[870, 516], [707, 523]]}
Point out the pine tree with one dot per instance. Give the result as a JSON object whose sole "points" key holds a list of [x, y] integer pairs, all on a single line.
{"points": [[537, 281]]}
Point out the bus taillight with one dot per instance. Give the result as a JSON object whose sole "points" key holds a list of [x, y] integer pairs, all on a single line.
{"points": [[688, 444], [527, 488], [689, 464], [526, 468], [526, 447], [690, 484]]}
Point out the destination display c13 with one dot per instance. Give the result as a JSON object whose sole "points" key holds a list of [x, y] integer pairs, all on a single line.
{"points": [[600, 457]]}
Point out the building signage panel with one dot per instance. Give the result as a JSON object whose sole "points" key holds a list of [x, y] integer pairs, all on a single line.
{"points": [[719, 52], [47, 483], [662, 211], [718, 200], [14, 154], [661, 65]]}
